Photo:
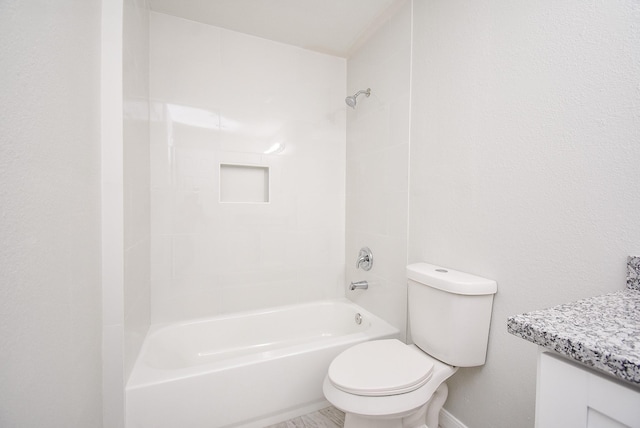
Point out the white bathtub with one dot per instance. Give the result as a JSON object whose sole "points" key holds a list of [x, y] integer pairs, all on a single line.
{"points": [[247, 369]]}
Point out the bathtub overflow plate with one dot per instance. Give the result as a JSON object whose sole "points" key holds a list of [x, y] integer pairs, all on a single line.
{"points": [[358, 319]]}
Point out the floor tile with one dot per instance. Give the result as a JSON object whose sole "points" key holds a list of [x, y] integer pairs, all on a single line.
{"points": [[329, 417]]}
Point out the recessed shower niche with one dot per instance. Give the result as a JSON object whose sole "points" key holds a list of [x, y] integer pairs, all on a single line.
{"points": [[244, 183]]}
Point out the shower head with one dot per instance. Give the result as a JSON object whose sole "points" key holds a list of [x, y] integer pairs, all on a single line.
{"points": [[351, 100]]}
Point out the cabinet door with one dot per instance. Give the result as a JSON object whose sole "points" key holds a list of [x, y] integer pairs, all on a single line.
{"points": [[569, 396]]}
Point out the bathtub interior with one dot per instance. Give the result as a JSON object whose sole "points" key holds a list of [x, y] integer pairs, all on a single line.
{"points": [[258, 332]]}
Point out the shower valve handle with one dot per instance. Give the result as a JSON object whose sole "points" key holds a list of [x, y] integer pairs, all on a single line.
{"points": [[365, 259]]}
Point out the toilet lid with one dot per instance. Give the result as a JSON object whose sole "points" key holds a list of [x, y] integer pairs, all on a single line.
{"points": [[380, 367]]}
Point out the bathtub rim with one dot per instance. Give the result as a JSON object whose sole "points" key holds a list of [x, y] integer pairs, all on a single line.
{"points": [[154, 328]]}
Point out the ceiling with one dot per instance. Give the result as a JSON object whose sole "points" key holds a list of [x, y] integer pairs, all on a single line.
{"points": [[335, 27]]}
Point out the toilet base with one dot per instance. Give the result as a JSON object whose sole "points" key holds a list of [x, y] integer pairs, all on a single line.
{"points": [[426, 416], [414, 420]]}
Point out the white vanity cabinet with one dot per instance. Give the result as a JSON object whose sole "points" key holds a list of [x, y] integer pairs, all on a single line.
{"points": [[571, 396]]}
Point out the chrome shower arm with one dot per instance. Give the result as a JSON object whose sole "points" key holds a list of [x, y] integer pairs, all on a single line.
{"points": [[351, 100]]}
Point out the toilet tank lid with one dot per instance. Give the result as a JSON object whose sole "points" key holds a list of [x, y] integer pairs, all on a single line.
{"points": [[450, 280]]}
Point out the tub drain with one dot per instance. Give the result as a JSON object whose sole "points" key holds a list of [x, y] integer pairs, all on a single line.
{"points": [[358, 319]]}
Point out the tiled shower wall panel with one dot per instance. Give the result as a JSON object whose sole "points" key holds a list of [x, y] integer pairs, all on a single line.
{"points": [[222, 97]]}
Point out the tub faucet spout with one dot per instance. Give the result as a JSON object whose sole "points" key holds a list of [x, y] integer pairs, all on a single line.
{"points": [[359, 285]]}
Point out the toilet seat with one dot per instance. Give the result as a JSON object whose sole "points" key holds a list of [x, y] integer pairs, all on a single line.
{"points": [[380, 368]]}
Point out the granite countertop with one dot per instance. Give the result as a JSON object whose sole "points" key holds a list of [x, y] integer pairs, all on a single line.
{"points": [[602, 332]]}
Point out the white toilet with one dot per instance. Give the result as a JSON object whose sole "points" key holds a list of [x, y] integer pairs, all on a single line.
{"points": [[387, 384]]}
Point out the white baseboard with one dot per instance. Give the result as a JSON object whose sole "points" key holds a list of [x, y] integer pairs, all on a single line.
{"points": [[447, 420]]}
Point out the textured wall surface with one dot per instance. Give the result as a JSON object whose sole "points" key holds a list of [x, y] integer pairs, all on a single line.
{"points": [[50, 318], [524, 167]]}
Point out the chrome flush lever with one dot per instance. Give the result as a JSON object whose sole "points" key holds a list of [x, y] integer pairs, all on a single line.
{"points": [[365, 259]]}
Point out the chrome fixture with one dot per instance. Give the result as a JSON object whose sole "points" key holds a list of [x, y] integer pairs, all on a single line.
{"points": [[365, 259], [351, 100], [360, 285], [358, 318]]}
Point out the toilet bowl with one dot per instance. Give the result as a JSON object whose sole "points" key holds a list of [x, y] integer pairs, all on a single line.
{"points": [[388, 384], [385, 384]]}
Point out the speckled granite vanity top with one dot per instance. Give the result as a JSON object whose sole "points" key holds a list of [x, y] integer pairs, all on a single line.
{"points": [[602, 332]]}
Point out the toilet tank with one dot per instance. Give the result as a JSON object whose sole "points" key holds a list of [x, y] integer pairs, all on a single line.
{"points": [[450, 313]]}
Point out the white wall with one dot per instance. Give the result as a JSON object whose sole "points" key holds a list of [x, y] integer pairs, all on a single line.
{"points": [[136, 178], [125, 197], [50, 365], [223, 97], [377, 167], [524, 166]]}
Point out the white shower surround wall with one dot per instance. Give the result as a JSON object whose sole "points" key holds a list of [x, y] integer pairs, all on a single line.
{"points": [[219, 96], [245, 369], [377, 167]]}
